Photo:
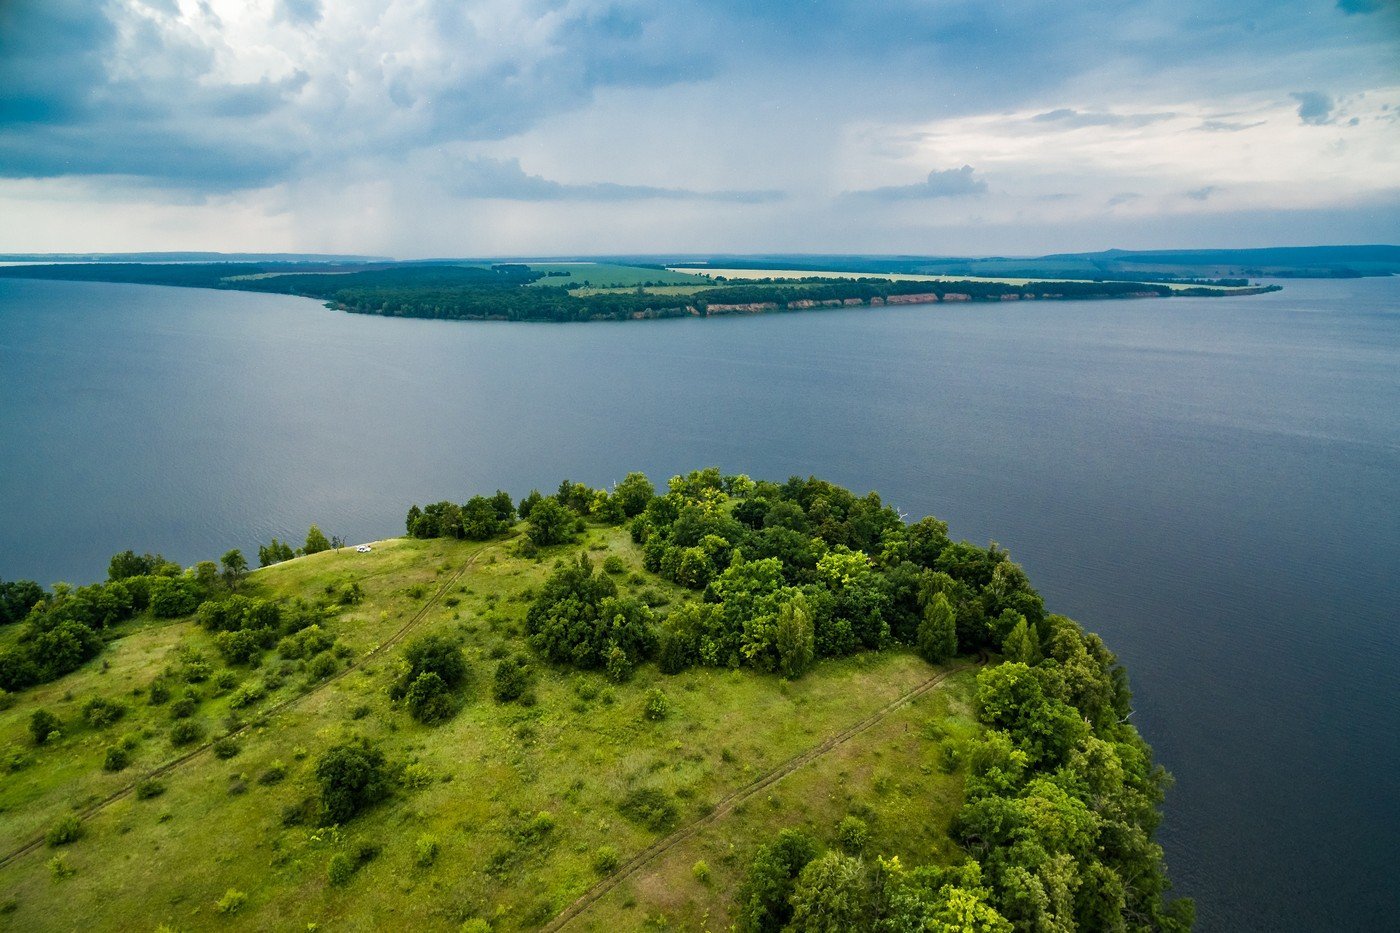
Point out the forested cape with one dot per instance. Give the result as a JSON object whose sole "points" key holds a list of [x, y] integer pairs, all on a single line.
{"points": [[512, 292], [1060, 792]]}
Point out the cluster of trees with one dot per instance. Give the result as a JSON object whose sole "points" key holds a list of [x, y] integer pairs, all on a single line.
{"points": [[432, 674], [64, 629], [1062, 799], [805, 569], [481, 518], [277, 551], [788, 573]]}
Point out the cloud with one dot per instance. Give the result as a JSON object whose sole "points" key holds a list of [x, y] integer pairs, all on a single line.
{"points": [[1354, 7], [1077, 119], [1202, 194], [1314, 107], [949, 183], [1123, 198], [482, 177], [1226, 126], [301, 12]]}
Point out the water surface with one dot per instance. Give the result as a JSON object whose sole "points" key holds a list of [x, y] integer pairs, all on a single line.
{"points": [[1212, 484]]}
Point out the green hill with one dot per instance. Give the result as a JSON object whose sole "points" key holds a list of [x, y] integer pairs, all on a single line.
{"points": [[622, 710]]}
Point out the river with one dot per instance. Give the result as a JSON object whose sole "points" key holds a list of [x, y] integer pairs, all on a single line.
{"points": [[1211, 484]]}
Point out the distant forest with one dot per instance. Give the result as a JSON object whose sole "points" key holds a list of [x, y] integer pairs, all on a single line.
{"points": [[497, 292]]}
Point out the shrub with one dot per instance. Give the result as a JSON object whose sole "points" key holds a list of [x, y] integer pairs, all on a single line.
{"points": [[232, 901], [949, 758], [158, 693], [657, 707], [649, 807], [852, 834], [148, 788], [425, 851], [322, 666], [184, 707], [226, 748], [353, 775], [605, 860], [613, 564], [243, 646], [306, 643], [226, 681], [117, 758], [68, 829], [43, 724], [432, 654], [101, 713], [701, 871], [511, 680], [274, 774], [340, 869], [428, 699], [247, 695], [59, 866], [185, 732], [764, 896]]}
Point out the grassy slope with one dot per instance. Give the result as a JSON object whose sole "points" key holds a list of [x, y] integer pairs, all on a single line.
{"points": [[486, 773]]}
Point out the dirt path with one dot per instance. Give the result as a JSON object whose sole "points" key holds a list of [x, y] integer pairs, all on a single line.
{"points": [[728, 803], [176, 763]]}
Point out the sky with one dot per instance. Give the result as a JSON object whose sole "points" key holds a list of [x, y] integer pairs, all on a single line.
{"points": [[433, 128]]}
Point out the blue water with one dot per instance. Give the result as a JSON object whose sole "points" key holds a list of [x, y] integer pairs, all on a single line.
{"points": [[1212, 484]]}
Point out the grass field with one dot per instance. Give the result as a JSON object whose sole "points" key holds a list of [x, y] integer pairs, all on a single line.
{"points": [[519, 803], [607, 275], [733, 274]]}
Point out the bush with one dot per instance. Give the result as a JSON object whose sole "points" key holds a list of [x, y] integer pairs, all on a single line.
{"points": [[247, 695], [613, 564], [184, 707], [101, 713], [226, 748], [852, 834], [428, 699], [243, 646], [306, 643], [43, 724], [158, 693], [434, 654], [274, 774], [172, 597], [605, 860], [657, 706], [649, 807], [67, 829], [341, 869], [425, 851], [117, 758], [353, 775], [512, 679], [232, 901], [185, 732], [701, 871], [764, 896], [148, 788], [322, 666]]}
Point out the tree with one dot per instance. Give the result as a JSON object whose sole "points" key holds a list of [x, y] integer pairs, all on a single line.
{"points": [[1020, 645], [435, 654], [17, 597], [938, 632], [43, 724], [832, 895], [428, 699], [550, 523], [352, 776], [172, 597], [796, 637], [511, 680], [274, 553], [316, 541], [235, 568], [633, 494], [764, 905]]}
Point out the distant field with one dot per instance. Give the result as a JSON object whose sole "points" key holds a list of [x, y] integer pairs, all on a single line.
{"points": [[887, 276], [649, 289], [607, 275]]}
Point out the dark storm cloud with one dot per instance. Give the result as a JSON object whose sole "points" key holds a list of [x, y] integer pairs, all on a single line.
{"points": [[504, 178]]}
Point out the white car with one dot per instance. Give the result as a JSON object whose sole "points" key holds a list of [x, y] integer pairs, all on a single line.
{"points": [[364, 549]]}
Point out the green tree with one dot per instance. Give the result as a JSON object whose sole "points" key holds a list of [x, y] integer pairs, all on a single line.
{"points": [[550, 523], [764, 897], [633, 494], [428, 699], [316, 542], [42, 724], [235, 568], [796, 637], [1020, 644], [352, 776], [435, 654], [938, 632], [832, 895]]}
